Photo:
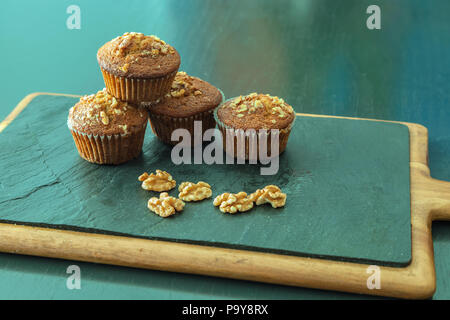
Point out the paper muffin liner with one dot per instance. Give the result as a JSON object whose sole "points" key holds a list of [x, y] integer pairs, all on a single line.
{"points": [[138, 90], [109, 149], [232, 150], [163, 126]]}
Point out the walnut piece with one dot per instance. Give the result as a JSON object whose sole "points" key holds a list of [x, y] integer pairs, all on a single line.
{"points": [[270, 194], [194, 191], [183, 86], [161, 181], [166, 205], [233, 203], [135, 44]]}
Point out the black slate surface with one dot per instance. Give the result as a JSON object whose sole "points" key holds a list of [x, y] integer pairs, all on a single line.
{"points": [[347, 184]]}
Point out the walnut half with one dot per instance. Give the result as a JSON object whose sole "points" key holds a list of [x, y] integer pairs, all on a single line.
{"points": [[270, 194], [232, 203], [161, 181], [166, 205], [194, 191]]}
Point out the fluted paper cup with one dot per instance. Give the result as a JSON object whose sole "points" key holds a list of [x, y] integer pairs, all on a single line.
{"points": [[138, 90], [109, 149], [250, 149], [163, 126]]}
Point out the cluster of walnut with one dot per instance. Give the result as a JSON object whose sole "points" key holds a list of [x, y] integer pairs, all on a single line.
{"points": [[166, 205], [182, 86], [132, 42], [251, 103], [135, 46], [241, 202]]}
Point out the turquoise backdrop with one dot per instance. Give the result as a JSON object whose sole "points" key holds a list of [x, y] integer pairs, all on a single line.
{"points": [[317, 54]]}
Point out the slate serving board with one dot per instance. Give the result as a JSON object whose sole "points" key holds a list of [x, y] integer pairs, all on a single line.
{"points": [[347, 183]]}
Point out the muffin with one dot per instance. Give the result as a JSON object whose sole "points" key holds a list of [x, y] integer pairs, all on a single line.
{"points": [[260, 112], [190, 99], [138, 68], [107, 130]]}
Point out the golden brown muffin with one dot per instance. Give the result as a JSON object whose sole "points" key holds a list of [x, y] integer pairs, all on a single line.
{"points": [[189, 99], [107, 130], [138, 68], [255, 111]]}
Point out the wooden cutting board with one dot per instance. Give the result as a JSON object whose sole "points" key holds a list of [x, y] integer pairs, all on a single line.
{"points": [[359, 194]]}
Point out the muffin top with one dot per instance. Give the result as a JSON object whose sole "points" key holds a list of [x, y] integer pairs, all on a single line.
{"points": [[256, 111], [187, 97], [102, 114], [137, 55]]}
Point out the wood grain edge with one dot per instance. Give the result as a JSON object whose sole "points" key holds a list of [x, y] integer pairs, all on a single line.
{"points": [[417, 280], [428, 203]]}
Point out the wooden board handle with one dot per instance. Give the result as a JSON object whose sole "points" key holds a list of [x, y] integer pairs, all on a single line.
{"points": [[441, 200]]}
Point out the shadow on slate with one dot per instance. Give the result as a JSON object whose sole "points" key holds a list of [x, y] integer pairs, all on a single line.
{"points": [[347, 186]]}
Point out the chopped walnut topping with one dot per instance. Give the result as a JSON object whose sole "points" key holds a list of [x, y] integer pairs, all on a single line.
{"points": [[113, 102], [124, 128], [233, 203], [258, 104], [242, 108], [178, 93], [182, 86], [105, 119], [100, 107], [125, 67], [194, 191], [139, 45], [161, 181], [270, 194], [155, 53], [165, 205], [251, 103]]}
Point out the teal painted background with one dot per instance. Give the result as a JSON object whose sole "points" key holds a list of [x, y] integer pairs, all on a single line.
{"points": [[316, 54]]}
